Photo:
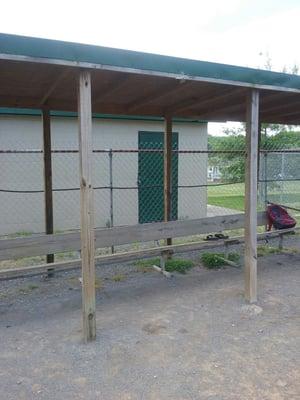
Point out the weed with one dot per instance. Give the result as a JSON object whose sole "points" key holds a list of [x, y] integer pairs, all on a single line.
{"points": [[27, 289], [20, 234], [179, 265], [263, 250], [213, 260], [172, 265], [98, 283], [118, 277]]}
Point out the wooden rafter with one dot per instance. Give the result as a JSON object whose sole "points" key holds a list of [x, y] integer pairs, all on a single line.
{"points": [[281, 108], [237, 106], [206, 101], [148, 98], [54, 85], [157, 95], [111, 88]]}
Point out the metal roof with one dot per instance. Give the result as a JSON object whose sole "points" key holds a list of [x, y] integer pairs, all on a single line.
{"points": [[15, 45], [37, 73]]}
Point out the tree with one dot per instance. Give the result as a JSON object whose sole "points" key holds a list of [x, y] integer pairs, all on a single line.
{"points": [[229, 154]]}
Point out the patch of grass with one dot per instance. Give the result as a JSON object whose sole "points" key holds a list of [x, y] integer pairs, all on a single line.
{"points": [[212, 260], [98, 283], [172, 265], [179, 265], [143, 268], [118, 277], [27, 289], [234, 202], [147, 264], [77, 281], [227, 196], [264, 250], [20, 234]]}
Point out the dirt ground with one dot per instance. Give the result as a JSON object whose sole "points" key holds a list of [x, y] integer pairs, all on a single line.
{"points": [[188, 337]]}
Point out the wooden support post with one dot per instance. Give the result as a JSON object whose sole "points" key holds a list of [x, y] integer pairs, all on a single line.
{"points": [[251, 196], [86, 206], [48, 181], [168, 172]]}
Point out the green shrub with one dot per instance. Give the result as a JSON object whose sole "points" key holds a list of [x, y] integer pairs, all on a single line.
{"points": [[213, 260]]}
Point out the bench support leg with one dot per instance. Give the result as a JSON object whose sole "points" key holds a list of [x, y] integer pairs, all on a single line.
{"points": [[162, 268]]}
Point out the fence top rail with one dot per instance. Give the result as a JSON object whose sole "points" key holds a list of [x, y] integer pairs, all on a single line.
{"points": [[108, 151], [57, 151]]}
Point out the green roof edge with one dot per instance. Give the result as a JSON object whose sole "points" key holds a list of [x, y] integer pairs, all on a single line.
{"points": [[70, 114], [105, 56]]}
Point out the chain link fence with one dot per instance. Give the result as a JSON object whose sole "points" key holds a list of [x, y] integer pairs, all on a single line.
{"points": [[226, 173], [279, 174], [128, 187], [128, 182]]}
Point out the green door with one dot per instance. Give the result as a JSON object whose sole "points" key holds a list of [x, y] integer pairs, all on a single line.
{"points": [[151, 177]]}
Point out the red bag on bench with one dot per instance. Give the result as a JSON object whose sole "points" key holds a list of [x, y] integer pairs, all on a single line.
{"points": [[279, 217]]}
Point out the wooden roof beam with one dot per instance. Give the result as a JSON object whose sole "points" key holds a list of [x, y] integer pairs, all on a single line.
{"points": [[112, 88], [208, 102], [282, 120], [210, 113], [288, 113], [157, 95], [281, 107], [54, 85]]}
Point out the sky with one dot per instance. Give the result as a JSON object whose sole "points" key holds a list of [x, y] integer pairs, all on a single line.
{"points": [[238, 32]]}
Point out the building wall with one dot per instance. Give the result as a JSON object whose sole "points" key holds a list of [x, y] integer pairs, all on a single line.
{"points": [[20, 212]]}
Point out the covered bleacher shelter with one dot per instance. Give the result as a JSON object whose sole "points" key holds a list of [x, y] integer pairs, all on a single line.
{"points": [[54, 75]]}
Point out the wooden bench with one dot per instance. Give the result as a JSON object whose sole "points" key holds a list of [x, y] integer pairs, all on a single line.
{"points": [[40, 245]]}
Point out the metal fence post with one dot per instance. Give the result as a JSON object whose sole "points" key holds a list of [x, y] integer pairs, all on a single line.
{"points": [[110, 154], [282, 173]]}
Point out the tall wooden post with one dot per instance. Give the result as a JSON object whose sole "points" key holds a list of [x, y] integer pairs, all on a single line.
{"points": [[168, 172], [86, 206], [48, 180], [252, 126]]}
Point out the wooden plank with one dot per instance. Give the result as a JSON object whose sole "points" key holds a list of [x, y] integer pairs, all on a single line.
{"points": [[66, 242], [38, 245], [163, 230], [86, 206], [252, 127], [11, 273], [168, 172], [48, 200]]}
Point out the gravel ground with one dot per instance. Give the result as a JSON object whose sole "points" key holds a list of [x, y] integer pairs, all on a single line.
{"points": [[188, 337]]}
